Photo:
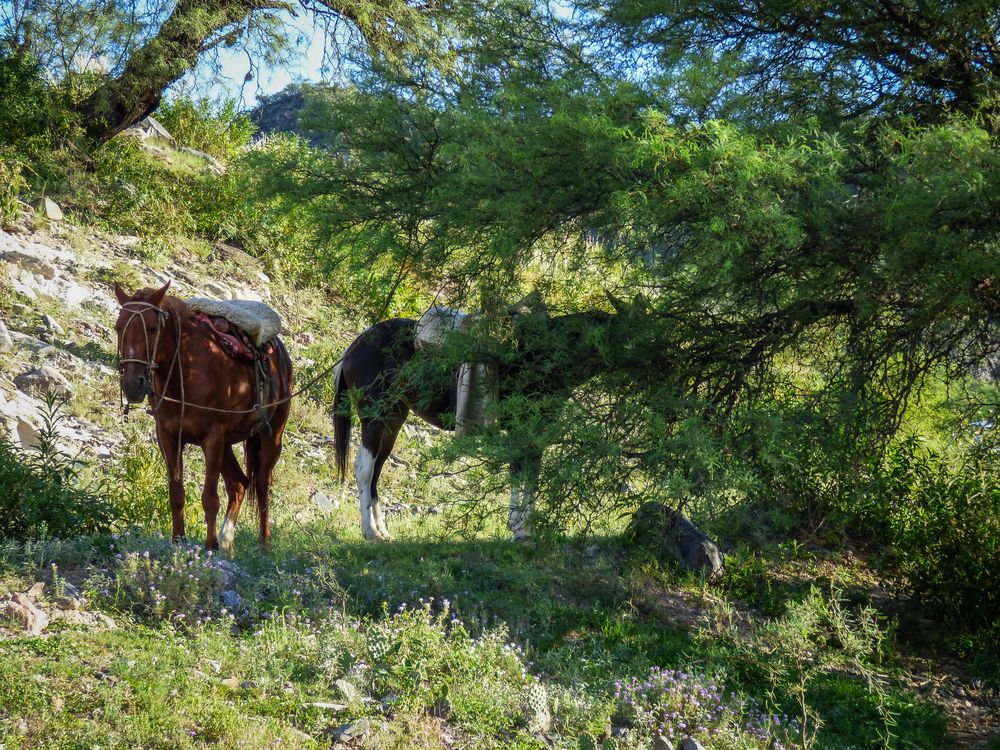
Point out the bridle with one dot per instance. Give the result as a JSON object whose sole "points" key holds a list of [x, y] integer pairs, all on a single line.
{"points": [[137, 309]]}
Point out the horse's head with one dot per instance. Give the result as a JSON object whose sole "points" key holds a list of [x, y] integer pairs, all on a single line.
{"points": [[139, 326]]}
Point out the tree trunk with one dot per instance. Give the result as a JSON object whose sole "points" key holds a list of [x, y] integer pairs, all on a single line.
{"points": [[193, 27]]}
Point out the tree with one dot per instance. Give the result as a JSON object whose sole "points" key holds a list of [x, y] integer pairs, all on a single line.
{"points": [[135, 52], [800, 276]]}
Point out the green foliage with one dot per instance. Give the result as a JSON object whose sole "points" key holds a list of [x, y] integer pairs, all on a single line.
{"points": [[12, 183], [27, 106], [945, 529], [39, 494], [215, 127]]}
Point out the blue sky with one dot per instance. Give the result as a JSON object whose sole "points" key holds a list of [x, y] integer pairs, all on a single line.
{"points": [[303, 65]]}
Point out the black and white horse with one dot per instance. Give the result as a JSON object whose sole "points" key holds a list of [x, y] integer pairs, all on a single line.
{"points": [[552, 355]]}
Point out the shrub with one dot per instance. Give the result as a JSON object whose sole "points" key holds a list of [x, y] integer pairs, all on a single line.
{"points": [[422, 661], [39, 492], [178, 583], [207, 125], [945, 529], [12, 183], [678, 704]]}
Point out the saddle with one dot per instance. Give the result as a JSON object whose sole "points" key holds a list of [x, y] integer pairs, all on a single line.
{"points": [[476, 383], [244, 330]]}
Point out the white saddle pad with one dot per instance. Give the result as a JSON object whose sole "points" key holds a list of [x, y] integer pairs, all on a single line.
{"points": [[434, 326], [260, 321]]}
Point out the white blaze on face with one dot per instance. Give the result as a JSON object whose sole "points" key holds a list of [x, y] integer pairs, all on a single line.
{"points": [[364, 470]]}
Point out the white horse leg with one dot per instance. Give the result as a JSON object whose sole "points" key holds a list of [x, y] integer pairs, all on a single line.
{"points": [[522, 505], [364, 469], [227, 533], [379, 520]]}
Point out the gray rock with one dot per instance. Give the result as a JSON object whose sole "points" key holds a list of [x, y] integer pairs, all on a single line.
{"points": [[66, 603], [52, 325], [49, 209], [676, 535], [6, 342], [151, 128], [352, 732], [30, 261], [692, 744], [348, 690], [27, 434], [324, 502], [662, 743], [231, 600], [18, 610], [41, 380]]}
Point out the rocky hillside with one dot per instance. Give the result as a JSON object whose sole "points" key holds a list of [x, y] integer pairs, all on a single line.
{"points": [[57, 311]]}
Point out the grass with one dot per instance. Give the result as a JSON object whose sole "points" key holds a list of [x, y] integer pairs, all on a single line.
{"points": [[572, 609]]}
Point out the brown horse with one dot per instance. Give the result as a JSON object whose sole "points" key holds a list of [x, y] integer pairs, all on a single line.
{"points": [[201, 396]]}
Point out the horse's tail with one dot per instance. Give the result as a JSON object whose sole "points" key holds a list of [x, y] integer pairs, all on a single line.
{"points": [[341, 421]]}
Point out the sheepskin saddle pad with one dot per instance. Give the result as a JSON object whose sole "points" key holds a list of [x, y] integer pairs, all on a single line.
{"points": [[230, 320], [434, 326]]}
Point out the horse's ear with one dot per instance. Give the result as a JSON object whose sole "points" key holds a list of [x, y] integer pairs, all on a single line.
{"points": [[157, 297], [122, 295], [620, 307]]}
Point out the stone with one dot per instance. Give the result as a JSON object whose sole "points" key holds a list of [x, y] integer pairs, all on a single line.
{"points": [[231, 600], [348, 690], [52, 325], [676, 535], [249, 684], [217, 290], [26, 434], [692, 744], [350, 732], [151, 128], [213, 164], [662, 743], [329, 706], [39, 381], [6, 342], [324, 502], [49, 209], [20, 611], [32, 261]]}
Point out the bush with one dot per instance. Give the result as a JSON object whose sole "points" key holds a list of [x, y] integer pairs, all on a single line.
{"points": [[678, 704], [12, 182], [211, 126], [39, 495], [178, 583], [945, 528]]}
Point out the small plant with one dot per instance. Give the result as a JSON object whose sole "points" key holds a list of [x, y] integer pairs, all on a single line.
{"points": [[40, 492], [177, 583], [677, 704], [12, 184]]}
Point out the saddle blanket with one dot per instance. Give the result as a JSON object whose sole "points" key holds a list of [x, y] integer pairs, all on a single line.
{"points": [[476, 383], [260, 321]]}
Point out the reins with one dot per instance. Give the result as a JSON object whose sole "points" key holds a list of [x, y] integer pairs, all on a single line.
{"points": [[151, 367]]}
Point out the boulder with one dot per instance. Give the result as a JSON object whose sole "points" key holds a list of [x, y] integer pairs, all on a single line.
{"points": [[41, 380], [18, 610], [49, 209], [674, 534], [6, 342], [151, 128], [662, 743]]}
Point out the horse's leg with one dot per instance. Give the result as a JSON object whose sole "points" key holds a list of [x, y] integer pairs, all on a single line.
{"points": [[269, 453], [173, 455], [364, 472], [236, 485], [390, 430], [524, 479], [214, 450]]}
